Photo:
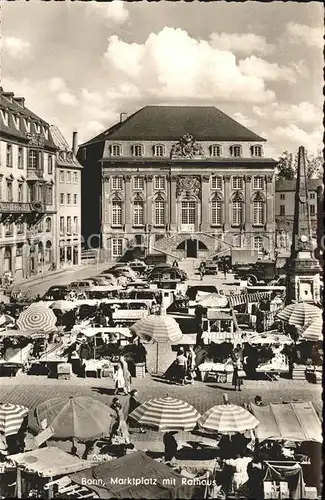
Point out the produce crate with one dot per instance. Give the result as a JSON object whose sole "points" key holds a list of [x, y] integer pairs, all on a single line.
{"points": [[140, 370], [64, 371], [310, 493]]}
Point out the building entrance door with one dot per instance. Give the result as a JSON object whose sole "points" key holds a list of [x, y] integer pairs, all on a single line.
{"points": [[191, 249]]}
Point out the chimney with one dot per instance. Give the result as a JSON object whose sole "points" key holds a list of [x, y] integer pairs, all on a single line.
{"points": [[20, 101], [74, 142], [122, 115], [8, 95]]}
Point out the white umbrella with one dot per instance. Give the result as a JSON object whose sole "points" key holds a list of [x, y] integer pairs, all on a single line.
{"points": [[228, 419], [299, 313]]}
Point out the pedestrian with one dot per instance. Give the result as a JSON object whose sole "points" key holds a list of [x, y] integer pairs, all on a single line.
{"points": [[133, 404], [120, 380], [202, 270], [126, 374], [181, 366], [191, 364], [225, 269], [237, 379], [258, 401], [120, 432], [170, 445]]}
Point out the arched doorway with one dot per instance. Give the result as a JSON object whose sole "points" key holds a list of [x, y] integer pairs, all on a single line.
{"points": [[191, 247]]}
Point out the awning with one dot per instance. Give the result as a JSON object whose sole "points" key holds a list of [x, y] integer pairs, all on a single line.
{"points": [[220, 314], [23, 333], [296, 421], [221, 337], [188, 339], [129, 314], [90, 332], [48, 462], [268, 338], [248, 298]]}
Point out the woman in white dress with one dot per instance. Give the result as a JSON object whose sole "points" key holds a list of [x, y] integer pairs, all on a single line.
{"points": [[120, 380]]}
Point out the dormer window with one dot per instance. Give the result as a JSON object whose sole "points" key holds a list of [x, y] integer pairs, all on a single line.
{"points": [[236, 150], [46, 132], [27, 125], [257, 151], [37, 128], [5, 117], [116, 150], [16, 121], [137, 150], [158, 150], [215, 150]]}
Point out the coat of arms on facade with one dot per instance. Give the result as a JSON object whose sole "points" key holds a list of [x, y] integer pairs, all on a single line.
{"points": [[188, 185], [186, 147]]}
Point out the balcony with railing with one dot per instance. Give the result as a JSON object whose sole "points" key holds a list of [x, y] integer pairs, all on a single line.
{"points": [[14, 207], [34, 174]]}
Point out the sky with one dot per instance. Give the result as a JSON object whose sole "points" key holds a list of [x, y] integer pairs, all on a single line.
{"points": [[79, 64]]}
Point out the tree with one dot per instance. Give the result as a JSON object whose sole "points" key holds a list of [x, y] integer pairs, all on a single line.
{"points": [[286, 168]]}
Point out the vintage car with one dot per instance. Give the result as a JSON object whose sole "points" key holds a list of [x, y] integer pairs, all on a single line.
{"points": [[211, 267]]}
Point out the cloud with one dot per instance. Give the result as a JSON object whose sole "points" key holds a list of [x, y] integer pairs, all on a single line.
{"points": [[304, 113], [244, 120], [293, 137], [260, 68], [245, 43], [300, 33], [114, 11], [58, 86], [172, 65], [15, 47]]}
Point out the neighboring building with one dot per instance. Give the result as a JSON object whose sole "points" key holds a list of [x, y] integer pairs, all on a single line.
{"points": [[284, 212], [68, 195], [187, 181], [27, 194]]}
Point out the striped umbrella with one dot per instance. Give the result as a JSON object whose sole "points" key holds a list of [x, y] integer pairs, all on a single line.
{"points": [[166, 415], [11, 418], [37, 317], [313, 331], [214, 300], [158, 328], [228, 419], [299, 313]]}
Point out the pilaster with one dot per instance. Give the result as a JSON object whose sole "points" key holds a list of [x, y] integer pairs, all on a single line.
{"points": [[227, 207], [248, 206], [128, 204], [149, 194], [173, 203], [205, 204]]}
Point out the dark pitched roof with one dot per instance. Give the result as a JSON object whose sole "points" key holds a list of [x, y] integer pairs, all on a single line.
{"points": [[284, 185], [169, 123], [61, 143]]}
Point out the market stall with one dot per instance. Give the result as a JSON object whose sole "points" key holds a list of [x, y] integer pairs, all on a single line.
{"points": [[17, 347]]}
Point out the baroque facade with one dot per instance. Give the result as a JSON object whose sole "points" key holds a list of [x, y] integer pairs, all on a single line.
{"points": [[27, 191], [68, 196], [185, 181]]}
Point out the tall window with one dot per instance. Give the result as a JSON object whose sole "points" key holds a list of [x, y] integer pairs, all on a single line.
{"points": [[138, 182], [138, 213], [9, 191], [19, 229], [258, 182], [20, 192], [117, 247], [75, 177], [48, 224], [75, 199], [9, 229], [215, 150], [117, 183], [159, 182], [312, 209], [216, 212], [33, 162], [282, 209], [116, 213], [282, 239], [158, 150], [216, 182], [257, 151], [62, 176], [188, 212], [68, 199], [49, 195], [159, 212], [68, 177], [258, 244], [9, 155], [75, 225], [237, 182], [258, 212], [61, 225], [50, 164], [61, 198], [69, 228], [237, 212], [20, 158], [282, 196], [236, 151], [116, 150], [137, 150], [312, 196]]}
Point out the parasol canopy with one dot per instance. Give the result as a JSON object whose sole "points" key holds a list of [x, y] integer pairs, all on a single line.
{"points": [[158, 328], [11, 418], [80, 418], [299, 313], [214, 300], [37, 318], [227, 419], [166, 414], [6, 321], [313, 331], [64, 305]]}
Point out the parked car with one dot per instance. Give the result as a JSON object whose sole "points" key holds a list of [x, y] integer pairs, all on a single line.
{"points": [[138, 266], [211, 267], [122, 271], [171, 273], [155, 258], [81, 285], [261, 271], [102, 280], [57, 292]]}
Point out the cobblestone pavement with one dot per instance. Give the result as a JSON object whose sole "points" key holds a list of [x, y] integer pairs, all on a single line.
{"points": [[32, 390]]}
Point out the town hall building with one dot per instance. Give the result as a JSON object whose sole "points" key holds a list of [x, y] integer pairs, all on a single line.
{"points": [[188, 181]]}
